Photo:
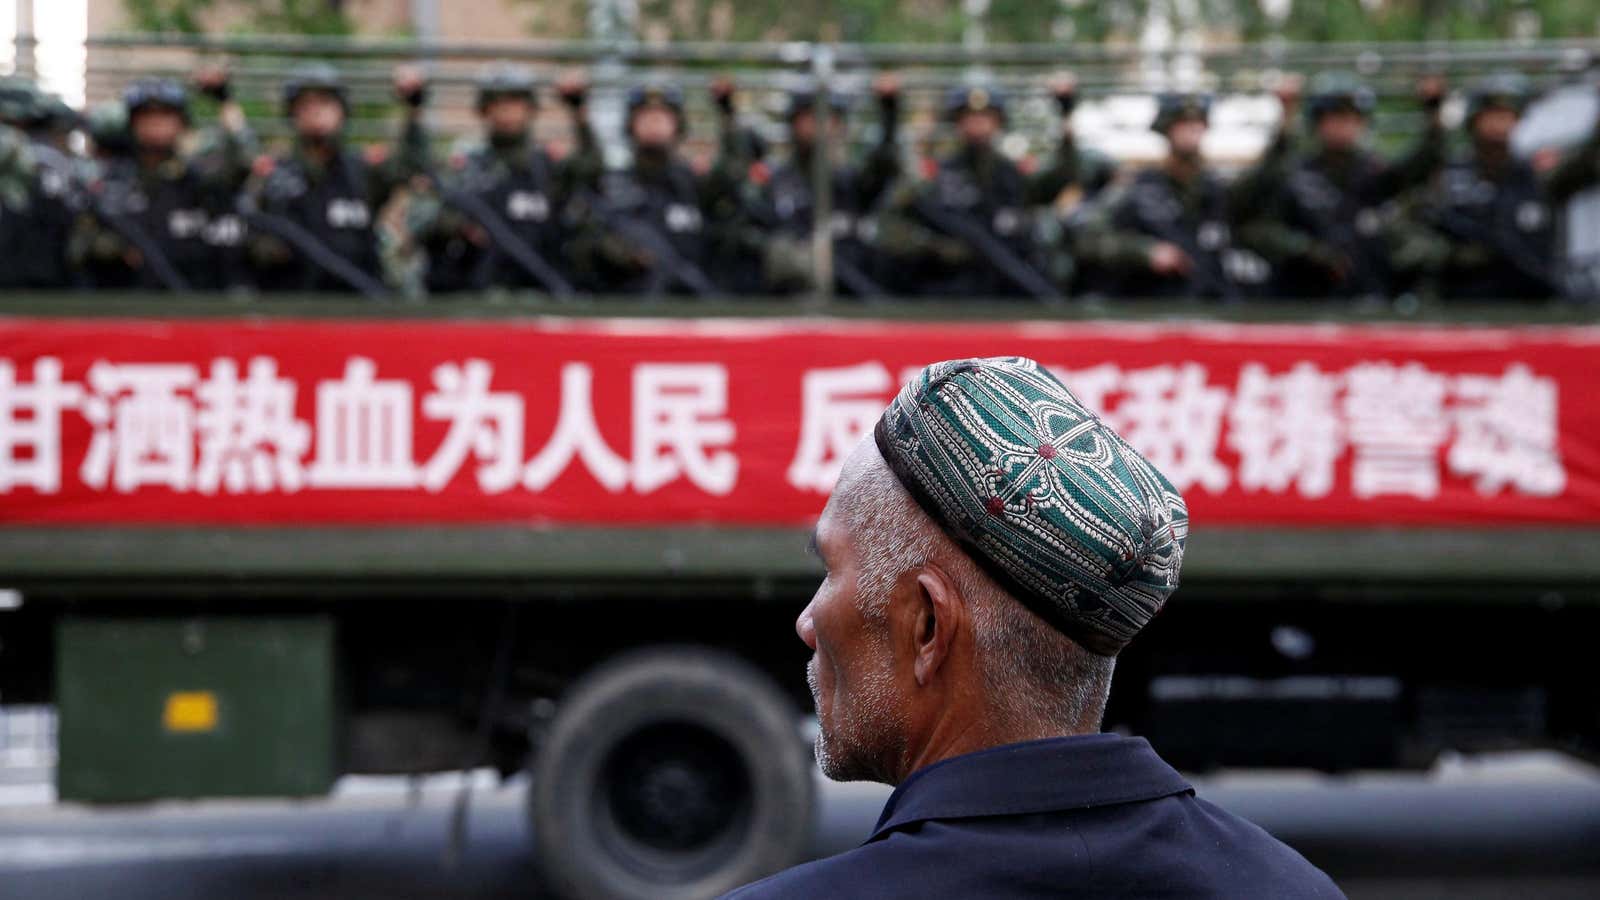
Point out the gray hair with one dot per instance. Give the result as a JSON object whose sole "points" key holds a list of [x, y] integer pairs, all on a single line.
{"points": [[1033, 674]]}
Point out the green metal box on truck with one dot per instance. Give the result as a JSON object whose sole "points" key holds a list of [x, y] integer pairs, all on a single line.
{"points": [[156, 708]]}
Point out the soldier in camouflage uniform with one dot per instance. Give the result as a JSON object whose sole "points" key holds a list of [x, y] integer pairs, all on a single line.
{"points": [[153, 218], [329, 193], [1326, 216], [53, 196], [967, 231], [652, 228], [107, 127], [1493, 212], [18, 173], [515, 179], [1165, 234], [784, 208]]}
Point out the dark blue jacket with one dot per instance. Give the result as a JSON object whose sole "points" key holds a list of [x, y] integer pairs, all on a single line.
{"points": [[1087, 816]]}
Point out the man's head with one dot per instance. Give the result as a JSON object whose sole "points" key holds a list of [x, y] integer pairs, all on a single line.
{"points": [[802, 116], [978, 113], [507, 100], [1339, 108], [157, 114], [1183, 120], [316, 103], [655, 117], [1494, 107], [979, 585]]}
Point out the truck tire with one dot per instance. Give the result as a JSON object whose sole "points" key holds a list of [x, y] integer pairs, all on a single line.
{"points": [[670, 773]]}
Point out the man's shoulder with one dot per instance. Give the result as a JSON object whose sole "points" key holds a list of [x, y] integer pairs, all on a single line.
{"points": [[840, 875], [1214, 853]]}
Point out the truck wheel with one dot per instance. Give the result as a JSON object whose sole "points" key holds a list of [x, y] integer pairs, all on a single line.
{"points": [[670, 773]]}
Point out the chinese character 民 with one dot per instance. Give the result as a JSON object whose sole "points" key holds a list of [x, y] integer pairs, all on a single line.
{"points": [[679, 426]]}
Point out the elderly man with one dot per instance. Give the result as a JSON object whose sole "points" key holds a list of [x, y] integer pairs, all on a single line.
{"points": [[988, 553]]}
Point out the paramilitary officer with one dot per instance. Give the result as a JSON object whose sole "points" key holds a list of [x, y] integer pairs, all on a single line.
{"points": [[53, 197], [152, 219], [1493, 211], [1166, 234], [18, 173], [1325, 217], [652, 227], [318, 204], [511, 181], [785, 208], [966, 231]]}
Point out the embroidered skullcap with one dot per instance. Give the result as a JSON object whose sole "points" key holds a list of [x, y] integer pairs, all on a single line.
{"points": [[1041, 493]]}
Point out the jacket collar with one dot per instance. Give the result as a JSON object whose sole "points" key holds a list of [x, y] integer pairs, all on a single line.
{"points": [[1054, 774]]}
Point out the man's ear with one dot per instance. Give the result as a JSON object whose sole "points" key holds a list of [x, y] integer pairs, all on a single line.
{"points": [[940, 614]]}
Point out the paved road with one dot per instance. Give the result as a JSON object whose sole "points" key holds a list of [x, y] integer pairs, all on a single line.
{"points": [[1527, 825]]}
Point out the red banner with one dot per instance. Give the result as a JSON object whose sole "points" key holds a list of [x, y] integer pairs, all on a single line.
{"points": [[747, 422]]}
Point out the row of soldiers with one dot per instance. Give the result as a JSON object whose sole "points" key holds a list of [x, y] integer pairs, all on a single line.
{"points": [[1319, 215]]}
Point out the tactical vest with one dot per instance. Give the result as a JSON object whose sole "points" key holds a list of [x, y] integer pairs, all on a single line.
{"points": [[997, 205], [1342, 209], [525, 198], [1505, 216], [334, 207], [1154, 207]]}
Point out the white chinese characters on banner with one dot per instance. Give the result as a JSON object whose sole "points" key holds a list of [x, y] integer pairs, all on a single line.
{"points": [[1506, 433], [1174, 418], [144, 427], [1397, 424], [364, 431], [1286, 429], [1289, 430], [483, 424], [249, 437], [838, 407], [576, 436], [30, 425], [233, 428], [681, 429]]}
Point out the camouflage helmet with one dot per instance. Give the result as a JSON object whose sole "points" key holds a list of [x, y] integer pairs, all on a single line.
{"points": [[108, 127], [319, 77], [19, 100], [806, 100], [162, 92], [504, 79], [1172, 108], [1338, 92], [1503, 90], [656, 94], [958, 101], [56, 114]]}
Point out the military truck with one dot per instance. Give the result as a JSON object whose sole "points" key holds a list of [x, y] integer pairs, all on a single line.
{"points": [[255, 547]]}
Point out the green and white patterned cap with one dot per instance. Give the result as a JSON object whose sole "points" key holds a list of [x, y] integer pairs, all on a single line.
{"points": [[1052, 503]]}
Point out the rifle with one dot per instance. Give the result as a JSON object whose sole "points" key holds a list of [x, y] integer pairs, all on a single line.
{"points": [[306, 243], [1340, 232], [154, 257], [509, 242], [670, 264], [1521, 257], [1001, 259], [847, 273], [1207, 276]]}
